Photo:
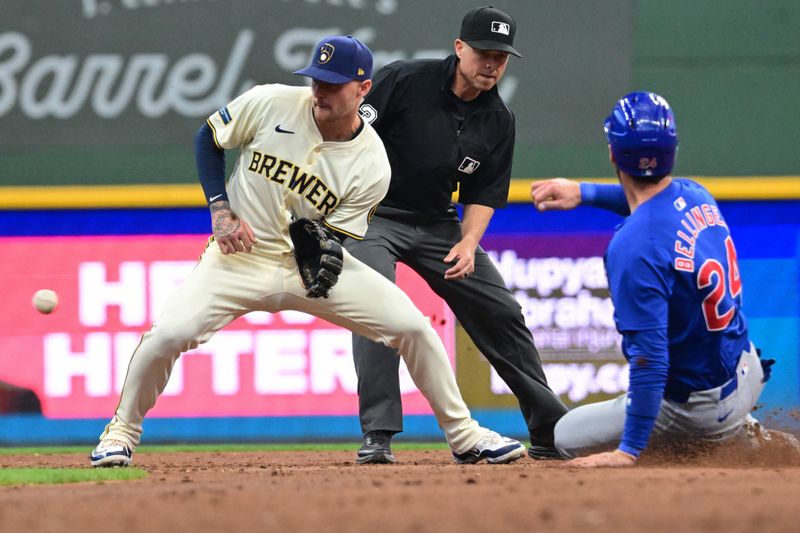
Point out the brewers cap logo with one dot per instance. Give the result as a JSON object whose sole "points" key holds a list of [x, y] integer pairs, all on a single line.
{"points": [[325, 53]]}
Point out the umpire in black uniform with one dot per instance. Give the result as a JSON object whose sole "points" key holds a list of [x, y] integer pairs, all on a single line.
{"points": [[443, 124]]}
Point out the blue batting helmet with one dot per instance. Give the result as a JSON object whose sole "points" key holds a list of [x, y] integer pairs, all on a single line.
{"points": [[642, 136]]}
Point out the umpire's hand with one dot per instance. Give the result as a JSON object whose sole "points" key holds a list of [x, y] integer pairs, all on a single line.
{"points": [[231, 233], [463, 255]]}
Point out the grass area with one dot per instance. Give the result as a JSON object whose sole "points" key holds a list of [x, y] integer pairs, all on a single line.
{"points": [[36, 476], [254, 447], [51, 476]]}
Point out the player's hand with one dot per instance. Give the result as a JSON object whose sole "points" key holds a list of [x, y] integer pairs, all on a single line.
{"points": [[615, 458], [231, 233], [463, 254], [555, 194]]}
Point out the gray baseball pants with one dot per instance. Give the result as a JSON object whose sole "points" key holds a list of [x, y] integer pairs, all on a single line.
{"points": [[712, 415]]}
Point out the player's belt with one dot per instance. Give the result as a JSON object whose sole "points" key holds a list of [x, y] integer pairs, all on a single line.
{"points": [[728, 388], [681, 396]]}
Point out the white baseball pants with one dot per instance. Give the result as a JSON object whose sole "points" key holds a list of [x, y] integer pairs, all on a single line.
{"points": [[224, 287]]}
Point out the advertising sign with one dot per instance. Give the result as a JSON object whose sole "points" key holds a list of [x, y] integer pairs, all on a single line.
{"points": [[561, 286], [112, 288]]}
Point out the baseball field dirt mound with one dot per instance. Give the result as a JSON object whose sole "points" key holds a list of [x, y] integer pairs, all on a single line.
{"points": [[425, 491]]}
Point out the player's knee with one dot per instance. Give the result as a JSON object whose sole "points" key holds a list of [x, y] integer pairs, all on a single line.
{"points": [[576, 434], [562, 441], [169, 340], [570, 447], [420, 326], [565, 448], [411, 329]]}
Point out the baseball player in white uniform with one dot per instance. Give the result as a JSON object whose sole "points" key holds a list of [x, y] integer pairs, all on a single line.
{"points": [[304, 154]]}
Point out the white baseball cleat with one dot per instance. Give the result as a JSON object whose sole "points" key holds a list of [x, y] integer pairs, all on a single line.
{"points": [[758, 435], [111, 452], [494, 448]]}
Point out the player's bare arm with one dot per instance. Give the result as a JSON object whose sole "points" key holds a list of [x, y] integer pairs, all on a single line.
{"points": [[555, 194], [476, 220], [231, 233]]}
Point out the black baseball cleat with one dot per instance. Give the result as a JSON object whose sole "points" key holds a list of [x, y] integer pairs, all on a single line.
{"points": [[544, 453], [376, 448]]}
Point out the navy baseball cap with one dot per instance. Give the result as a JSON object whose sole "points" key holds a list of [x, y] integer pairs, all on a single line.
{"points": [[339, 59], [488, 28]]}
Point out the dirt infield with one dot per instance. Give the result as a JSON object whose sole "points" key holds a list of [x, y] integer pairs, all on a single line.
{"points": [[425, 491]]}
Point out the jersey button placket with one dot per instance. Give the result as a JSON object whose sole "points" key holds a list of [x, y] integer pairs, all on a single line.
{"points": [[317, 150]]}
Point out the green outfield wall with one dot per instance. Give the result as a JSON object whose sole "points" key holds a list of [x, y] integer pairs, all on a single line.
{"points": [[111, 92]]}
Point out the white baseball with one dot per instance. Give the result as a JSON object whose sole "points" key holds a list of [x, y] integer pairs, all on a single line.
{"points": [[45, 301]]}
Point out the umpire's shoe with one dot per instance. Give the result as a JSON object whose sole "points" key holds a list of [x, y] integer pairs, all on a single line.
{"points": [[494, 448], [542, 446], [544, 453], [376, 448], [111, 452]]}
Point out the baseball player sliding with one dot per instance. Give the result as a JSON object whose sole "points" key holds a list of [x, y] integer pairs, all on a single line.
{"points": [[309, 169], [677, 293]]}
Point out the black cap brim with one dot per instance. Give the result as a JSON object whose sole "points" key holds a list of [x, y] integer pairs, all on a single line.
{"points": [[494, 45]]}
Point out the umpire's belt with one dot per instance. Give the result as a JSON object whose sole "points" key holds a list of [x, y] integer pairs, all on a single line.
{"points": [[415, 218]]}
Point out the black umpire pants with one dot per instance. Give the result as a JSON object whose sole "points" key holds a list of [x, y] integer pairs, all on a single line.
{"points": [[483, 305]]}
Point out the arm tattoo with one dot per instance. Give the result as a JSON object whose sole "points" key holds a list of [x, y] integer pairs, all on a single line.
{"points": [[219, 205], [223, 221]]}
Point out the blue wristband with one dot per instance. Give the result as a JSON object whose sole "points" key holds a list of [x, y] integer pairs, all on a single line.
{"points": [[630, 451], [588, 192]]}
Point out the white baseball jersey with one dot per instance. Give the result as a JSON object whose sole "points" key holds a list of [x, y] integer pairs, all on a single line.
{"points": [[285, 170]]}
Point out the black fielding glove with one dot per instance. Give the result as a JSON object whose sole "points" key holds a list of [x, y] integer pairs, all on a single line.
{"points": [[318, 255]]}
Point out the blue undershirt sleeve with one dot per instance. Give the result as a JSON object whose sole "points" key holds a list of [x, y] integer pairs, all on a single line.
{"points": [[609, 197], [648, 355], [210, 161]]}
